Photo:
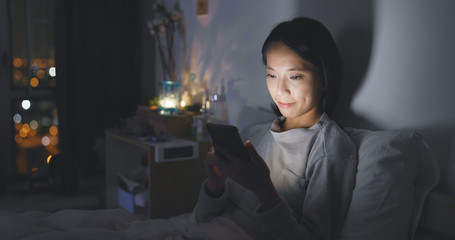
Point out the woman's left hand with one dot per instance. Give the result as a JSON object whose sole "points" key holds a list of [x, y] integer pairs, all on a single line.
{"points": [[253, 174]]}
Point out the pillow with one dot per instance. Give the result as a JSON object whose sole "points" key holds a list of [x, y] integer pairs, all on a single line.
{"points": [[395, 173]]}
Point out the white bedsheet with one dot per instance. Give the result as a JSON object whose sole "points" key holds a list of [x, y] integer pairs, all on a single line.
{"points": [[111, 224]]}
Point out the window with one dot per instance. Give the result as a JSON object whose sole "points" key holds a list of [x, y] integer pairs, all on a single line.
{"points": [[34, 113]]}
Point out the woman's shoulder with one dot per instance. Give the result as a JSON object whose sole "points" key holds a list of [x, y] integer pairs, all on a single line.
{"points": [[334, 141]]}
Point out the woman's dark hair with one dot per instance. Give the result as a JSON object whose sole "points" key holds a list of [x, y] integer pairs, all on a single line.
{"points": [[313, 42]]}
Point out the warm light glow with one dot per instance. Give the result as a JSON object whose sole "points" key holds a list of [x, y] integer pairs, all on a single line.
{"points": [[49, 159], [32, 133], [26, 127], [18, 75], [24, 130], [26, 104], [40, 73], [54, 140], [17, 118], [186, 99], [34, 124], [34, 82], [53, 130], [52, 72], [23, 133], [17, 62], [168, 102], [34, 169], [45, 141], [18, 139], [40, 62], [17, 126]]}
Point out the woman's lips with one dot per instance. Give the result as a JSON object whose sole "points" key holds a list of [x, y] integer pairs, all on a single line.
{"points": [[285, 105]]}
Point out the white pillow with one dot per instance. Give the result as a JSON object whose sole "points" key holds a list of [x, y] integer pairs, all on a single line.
{"points": [[396, 171]]}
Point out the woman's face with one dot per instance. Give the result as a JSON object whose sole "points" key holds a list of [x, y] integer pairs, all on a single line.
{"points": [[293, 86]]}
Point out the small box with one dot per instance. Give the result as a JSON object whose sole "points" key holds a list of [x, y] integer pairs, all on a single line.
{"points": [[129, 195], [173, 150], [125, 200]]}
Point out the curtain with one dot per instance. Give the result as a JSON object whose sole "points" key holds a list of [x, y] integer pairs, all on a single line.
{"points": [[98, 72]]}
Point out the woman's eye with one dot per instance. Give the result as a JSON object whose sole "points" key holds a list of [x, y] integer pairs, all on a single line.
{"points": [[296, 77], [270, 75]]}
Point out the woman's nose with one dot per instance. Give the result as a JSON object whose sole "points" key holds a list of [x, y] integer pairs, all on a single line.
{"points": [[283, 87]]}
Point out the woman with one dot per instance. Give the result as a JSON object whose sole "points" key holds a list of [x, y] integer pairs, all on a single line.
{"points": [[299, 181]]}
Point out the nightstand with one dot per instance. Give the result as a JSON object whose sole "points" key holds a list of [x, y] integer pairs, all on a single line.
{"points": [[173, 186]]}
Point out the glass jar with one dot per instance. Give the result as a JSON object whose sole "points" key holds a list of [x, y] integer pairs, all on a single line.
{"points": [[168, 100]]}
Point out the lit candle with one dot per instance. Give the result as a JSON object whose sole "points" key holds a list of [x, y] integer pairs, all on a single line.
{"points": [[186, 100]]}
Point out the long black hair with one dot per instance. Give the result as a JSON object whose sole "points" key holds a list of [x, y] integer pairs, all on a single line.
{"points": [[313, 42]]}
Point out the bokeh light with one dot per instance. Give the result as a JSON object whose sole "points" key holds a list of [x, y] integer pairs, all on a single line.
{"points": [[34, 82], [53, 130], [34, 124], [26, 127], [45, 141], [26, 104], [17, 118], [17, 62], [40, 73], [17, 75], [23, 133], [52, 72]]}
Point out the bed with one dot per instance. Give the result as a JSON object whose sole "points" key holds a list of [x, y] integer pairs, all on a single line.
{"points": [[392, 199]]}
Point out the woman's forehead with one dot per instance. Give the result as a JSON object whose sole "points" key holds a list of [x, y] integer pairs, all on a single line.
{"points": [[280, 55]]}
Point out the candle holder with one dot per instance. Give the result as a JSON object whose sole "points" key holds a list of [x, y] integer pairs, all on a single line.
{"points": [[168, 100]]}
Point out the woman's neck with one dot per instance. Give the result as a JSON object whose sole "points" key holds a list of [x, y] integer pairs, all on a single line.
{"points": [[301, 122]]}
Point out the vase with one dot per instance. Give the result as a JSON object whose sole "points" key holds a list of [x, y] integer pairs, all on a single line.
{"points": [[168, 100]]}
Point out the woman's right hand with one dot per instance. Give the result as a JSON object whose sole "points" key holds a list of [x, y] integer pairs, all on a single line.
{"points": [[215, 181]]}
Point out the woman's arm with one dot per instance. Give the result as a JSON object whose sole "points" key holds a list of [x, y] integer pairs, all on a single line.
{"points": [[213, 194], [208, 207]]}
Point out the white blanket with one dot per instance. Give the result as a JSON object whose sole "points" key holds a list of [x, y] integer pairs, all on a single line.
{"points": [[111, 224]]}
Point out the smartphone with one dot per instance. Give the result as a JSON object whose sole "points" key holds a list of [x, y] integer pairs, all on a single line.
{"points": [[228, 136]]}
